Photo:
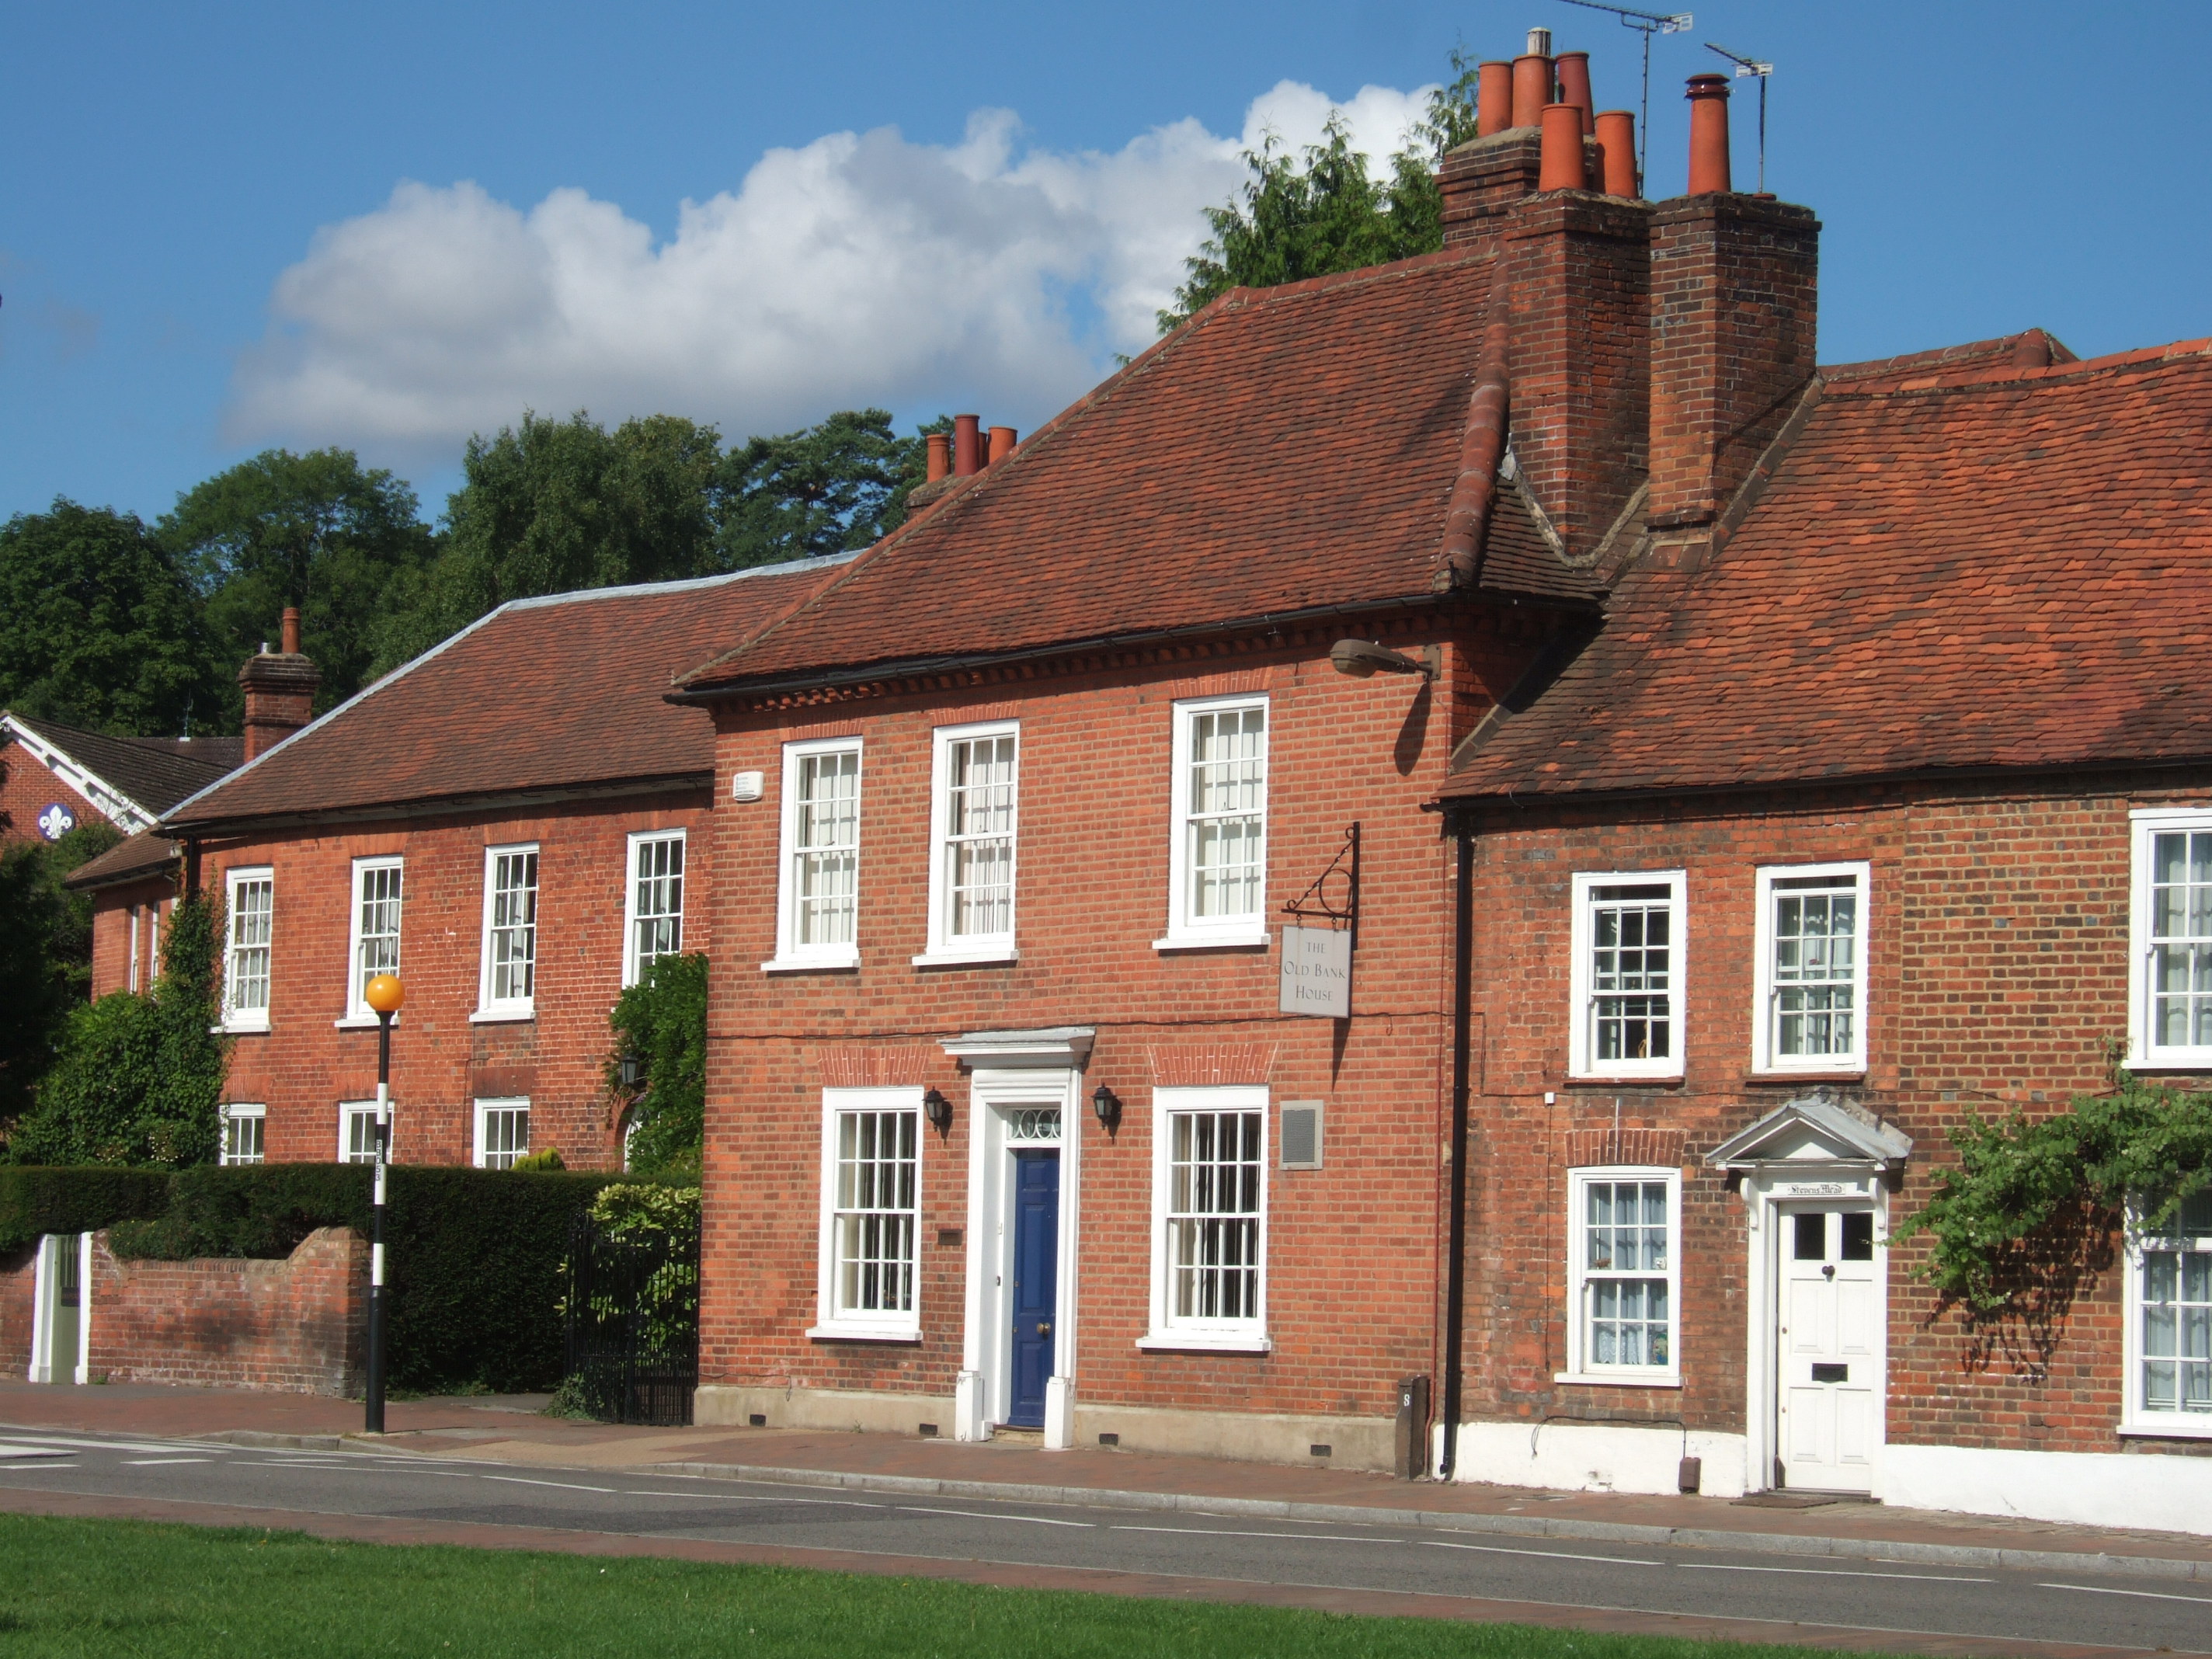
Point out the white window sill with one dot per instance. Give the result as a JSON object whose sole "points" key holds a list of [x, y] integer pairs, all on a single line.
{"points": [[242, 1027], [1838, 1068], [1206, 1342], [1241, 940], [360, 1023], [813, 964], [2201, 1061], [863, 1333], [1619, 1379], [503, 1016], [984, 956], [2195, 1426], [1674, 1076]]}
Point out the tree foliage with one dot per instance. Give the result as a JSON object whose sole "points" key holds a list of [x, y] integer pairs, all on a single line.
{"points": [[2022, 1186], [317, 530], [830, 489], [662, 1020], [100, 628], [140, 1075], [1319, 213]]}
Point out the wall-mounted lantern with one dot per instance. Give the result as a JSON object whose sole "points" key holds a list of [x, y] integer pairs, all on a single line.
{"points": [[1106, 1106], [937, 1110]]}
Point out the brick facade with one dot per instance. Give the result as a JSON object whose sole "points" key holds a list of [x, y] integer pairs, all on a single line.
{"points": [[442, 1060], [28, 788]]}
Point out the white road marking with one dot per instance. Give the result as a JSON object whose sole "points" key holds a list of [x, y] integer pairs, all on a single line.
{"points": [[565, 1486], [1834, 1572], [143, 1462], [1230, 1532], [2153, 1595], [747, 1497], [1548, 1555], [34, 1437], [971, 1515], [9, 1450]]}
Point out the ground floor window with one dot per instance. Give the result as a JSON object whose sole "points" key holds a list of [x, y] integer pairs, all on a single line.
{"points": [[1623, 1274], [502, 1133], [357, 1132], [242, 1132], [1210, 1217], [871, 1211], [2171, 1289]]}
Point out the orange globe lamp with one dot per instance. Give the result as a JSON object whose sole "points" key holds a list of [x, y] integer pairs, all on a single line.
{"points": [[384, 994]]}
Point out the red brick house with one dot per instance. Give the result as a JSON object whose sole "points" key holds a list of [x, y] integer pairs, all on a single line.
{"points": [[54, 778], [512, 822], [1880, 797]]}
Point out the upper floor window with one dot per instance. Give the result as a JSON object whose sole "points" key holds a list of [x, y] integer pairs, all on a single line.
{"points": [[870, 1219], [1218, 860], [1623, 1274], [250, 897], [2170, 1321], [375, 944], [817, 899], [1209, 1219], [654, 925], [1812, 952], [971, 878], [510, 984], [1627, 974], [2171, 971]]}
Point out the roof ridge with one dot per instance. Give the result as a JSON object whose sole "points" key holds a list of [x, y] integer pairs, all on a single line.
{"points": [[1388, 270], [1969, 376]]}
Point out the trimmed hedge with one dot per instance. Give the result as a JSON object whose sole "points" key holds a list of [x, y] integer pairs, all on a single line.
{"points": [[37, 1198], [474, 1257]]}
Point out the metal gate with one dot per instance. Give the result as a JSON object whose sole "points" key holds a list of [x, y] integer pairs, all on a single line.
{"points": [[633, 1324]]}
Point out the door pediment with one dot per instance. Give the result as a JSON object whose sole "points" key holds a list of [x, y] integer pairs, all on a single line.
{"points": [[1816, 1128]]}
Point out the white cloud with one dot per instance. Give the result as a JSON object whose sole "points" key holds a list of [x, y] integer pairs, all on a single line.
{"points": [[860, 269]]}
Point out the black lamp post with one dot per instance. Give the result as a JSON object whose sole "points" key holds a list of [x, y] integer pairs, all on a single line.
{"points": [[383, 994]]}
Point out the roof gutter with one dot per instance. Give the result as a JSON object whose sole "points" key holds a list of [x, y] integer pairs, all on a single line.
{"points": [[435, 806], [907, 667]]}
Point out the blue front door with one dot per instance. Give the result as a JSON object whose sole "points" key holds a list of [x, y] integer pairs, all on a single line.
{"points": [[1036, 1281]]}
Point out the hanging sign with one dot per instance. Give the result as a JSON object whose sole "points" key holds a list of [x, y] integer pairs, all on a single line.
{"points": [[1318, 972]]}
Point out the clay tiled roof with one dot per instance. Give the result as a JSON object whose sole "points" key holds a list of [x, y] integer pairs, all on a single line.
{"points": [[1956, 567], [140, 856], [154, 773], [558, 694], [1291, 449]]}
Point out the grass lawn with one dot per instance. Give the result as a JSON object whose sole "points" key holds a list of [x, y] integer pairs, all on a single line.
{"points": [[116, 1588]]}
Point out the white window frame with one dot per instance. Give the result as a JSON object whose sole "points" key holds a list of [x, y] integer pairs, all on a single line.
{"points": [[1767, 1057], [1582, 1038], [1186, 931], [240, 1111], [131, 915], [903, 1325], [235, 1019], [944, 947], [2136, 1418], [634, 961], [351, 1111], [490, 1008], [482, 1108], [2145, 823], [357, 1011], [1242, 1335], [1581, 1367], [790, 956]]}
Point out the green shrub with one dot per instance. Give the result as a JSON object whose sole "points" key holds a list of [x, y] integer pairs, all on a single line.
{"points": [[662, 1020], [35, 1200], [539, 1163]]}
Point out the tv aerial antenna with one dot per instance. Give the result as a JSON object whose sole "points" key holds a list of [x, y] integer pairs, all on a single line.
{"points": [[1647, 23], [1751, 66]]}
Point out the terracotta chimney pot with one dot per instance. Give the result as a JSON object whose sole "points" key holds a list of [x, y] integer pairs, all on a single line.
{"points": [[1616, 136], [1575, 87], [1532, 89], [1002, 443], [291, 631], [1709, 134], [940, 456], [967, 445], [1493, 98], [1561, 167]]}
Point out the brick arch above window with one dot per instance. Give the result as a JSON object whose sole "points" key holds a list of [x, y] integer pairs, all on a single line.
{"points": [[872, 1068], [1212, 1065], [1651, 1148]]}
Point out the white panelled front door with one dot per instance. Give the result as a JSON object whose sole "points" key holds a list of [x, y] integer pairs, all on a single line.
{"points": [[1829, 1348]]}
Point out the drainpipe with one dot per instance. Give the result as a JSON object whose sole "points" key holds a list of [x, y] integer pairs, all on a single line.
{"points": [[1455, 1261]]}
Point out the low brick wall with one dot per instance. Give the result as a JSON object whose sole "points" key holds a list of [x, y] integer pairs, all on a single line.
{"points": [[299, 1326], [19, 1272]]}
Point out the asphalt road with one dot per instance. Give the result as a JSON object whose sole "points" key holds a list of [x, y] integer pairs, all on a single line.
{"points": [[2085, 1608]]}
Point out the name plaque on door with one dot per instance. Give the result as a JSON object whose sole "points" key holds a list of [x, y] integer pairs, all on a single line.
{"points": [[1318, 972], [1818, 1189]]}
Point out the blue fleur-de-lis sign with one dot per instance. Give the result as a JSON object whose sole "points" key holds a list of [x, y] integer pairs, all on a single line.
{"points": [[56, 822]]}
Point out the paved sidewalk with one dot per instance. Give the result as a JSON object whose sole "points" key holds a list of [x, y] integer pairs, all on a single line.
{"points": [[509, 1430]]}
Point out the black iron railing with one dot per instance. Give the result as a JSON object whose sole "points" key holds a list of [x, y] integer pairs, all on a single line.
{"points": [[633, 1324]]}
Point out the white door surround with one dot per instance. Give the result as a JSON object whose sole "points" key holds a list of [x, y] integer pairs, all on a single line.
{"points": [[1016, 1079], [1816, 1154]]}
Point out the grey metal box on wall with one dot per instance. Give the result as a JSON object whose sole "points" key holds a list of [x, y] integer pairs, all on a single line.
{"points": [[1300, 1140]]}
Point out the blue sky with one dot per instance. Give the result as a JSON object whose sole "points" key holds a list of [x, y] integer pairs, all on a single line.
{"points": [[231, 226]]}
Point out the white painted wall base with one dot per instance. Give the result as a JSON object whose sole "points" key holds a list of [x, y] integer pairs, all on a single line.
{"points": [[1354, 1443], [1596, 1457], [967, 1422], [844, 1409], [1059, 1413], [2093, 1489]]}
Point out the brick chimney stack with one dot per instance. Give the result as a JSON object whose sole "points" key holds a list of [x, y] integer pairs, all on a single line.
{"points": [[1734, 302], [280, 690]]}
